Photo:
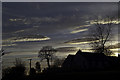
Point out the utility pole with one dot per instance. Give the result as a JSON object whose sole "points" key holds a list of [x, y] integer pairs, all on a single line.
{"points": [[30, 64]]}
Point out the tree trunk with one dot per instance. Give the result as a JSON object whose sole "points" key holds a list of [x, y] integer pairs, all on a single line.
{"points": [[48, 63]]}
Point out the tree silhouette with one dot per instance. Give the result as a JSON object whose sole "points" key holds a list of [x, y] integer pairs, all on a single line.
{"points": [[17, 72], [101, 35], [47, 52], [19, 63], [38, 67]]}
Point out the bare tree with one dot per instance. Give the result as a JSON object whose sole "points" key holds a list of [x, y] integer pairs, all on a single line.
{"points": [[19, 63], [16, 72], [47, 52], [101, 35]]}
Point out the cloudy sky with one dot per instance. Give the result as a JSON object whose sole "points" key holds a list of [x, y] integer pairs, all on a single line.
{"points": [[28, 26]]}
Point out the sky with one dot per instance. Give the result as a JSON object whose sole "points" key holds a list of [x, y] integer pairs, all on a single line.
{"points": [[28, 26]]}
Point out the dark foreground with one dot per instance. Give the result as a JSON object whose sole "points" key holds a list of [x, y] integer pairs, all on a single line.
{"points": [[114, 75], [83, 75]]}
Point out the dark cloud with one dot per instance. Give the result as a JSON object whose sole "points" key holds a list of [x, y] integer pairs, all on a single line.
{"points": [[64, 15], [54, 20]]}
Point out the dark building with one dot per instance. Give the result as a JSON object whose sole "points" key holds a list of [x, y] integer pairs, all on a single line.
{"points": [[90, 61]]}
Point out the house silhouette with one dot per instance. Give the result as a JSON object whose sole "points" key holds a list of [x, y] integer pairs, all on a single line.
{"points": [[90, 61]]}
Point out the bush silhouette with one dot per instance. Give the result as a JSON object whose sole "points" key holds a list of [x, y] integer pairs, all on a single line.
{"points": [[15, 73]]}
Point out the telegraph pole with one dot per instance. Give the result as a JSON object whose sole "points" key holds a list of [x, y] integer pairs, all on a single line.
{"points": [[30, 64]]}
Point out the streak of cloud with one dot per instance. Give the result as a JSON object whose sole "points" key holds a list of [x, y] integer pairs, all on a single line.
{"points": [[104, 22], [25, 39], [77, 31], [81, 41]]}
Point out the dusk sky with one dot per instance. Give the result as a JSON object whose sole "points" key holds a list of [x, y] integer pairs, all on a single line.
{"points": [[27, 27]]}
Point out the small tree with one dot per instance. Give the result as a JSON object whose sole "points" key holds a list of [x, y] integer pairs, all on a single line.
{"points": [[38, 67], [47, 52], [19, 63], [101, 35], [17, 72], [19, 67]]}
